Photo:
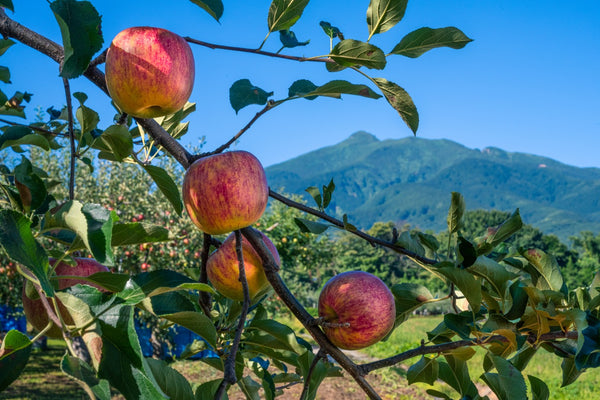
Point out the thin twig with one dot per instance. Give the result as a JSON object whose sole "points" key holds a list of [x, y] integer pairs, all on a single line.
{"points": [[205, 300], [256, 51], [229, 368], [34, 128], [320, 354], [270, 105], [340, 224], [444, 347], [71, 139], [101, 59]]}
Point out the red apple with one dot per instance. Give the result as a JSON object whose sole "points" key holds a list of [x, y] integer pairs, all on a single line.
{"points": [[149, 71], [358, 309], [34, 309], [223, 268], [225, 192]]}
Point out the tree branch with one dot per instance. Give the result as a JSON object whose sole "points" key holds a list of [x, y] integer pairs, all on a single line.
{"points": [[444, 347], [270, 267], [71, 139], [256, 51], [205, 300], [340, 224]]}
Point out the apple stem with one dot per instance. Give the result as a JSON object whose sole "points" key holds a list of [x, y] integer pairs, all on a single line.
{"points": [[325, 324]]}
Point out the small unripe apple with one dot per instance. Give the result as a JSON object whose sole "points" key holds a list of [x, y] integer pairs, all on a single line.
{"points": [[223, 270], [34, 308], [225, 192], [358, 309], [149, 71]]}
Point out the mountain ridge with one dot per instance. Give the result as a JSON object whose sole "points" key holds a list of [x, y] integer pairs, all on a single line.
{"points": [[409, 180]]}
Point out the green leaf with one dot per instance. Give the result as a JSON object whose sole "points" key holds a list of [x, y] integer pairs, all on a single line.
{"points": [[320, 371], [500, 233], [8, 4], [5, 43], [425, 370], [382, 15], [353, 53], [166, 185], [119, 141], [207, 390], [35, 193], [288, 39], [92, 223], [467, 252], [213, 7], [424, 39], [109, 280], [546, 273], [328, 193], [539, 389], [242, 93], [196, 322], [137, 233], [20, 245], [456, 374], [4, 74], [495, 273], [455, 213], [279, 331], [22, 135], [508, 383], [250, 388], [438, 394], [409, 297], [88, 119], [283, 14], [410, 241], [86, 377], [400, 100], [338, 87], [315, 193], [171, 382], [14, 354], [301, 88], [330, 31], [460, 323], [570, 373], [308, 226], [465, 281], [122, 362], [80, 29]]}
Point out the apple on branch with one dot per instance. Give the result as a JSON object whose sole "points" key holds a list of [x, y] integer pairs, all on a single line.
{"points": [[33, 307], [356, 309], [225, 192], [222, 268], [149, 71]]}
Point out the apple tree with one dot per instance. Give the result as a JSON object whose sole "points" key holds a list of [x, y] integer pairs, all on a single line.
{"points": [[510, 302]]}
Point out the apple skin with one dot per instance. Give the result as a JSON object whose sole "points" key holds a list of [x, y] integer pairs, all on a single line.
{"points": [[223, 271], [225, 192], [362, 300], [34, 309], [149, 71]]}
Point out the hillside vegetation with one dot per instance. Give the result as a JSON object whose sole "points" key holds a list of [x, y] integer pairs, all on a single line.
{"points": [[409, 180]]}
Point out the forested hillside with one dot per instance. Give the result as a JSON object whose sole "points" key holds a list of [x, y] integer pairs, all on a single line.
{"points": [[409, 180]]}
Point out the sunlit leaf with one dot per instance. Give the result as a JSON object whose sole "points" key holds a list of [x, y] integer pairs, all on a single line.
{"points": [[401, 101], [81, 34], [14, 354], [353, 53], [424, 39], [382, 15], [283, 14], [166, 185]]}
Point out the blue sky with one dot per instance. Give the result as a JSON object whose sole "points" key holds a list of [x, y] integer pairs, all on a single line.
{"points": [[528, 82]]}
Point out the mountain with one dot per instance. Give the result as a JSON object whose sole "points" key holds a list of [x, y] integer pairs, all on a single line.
{"points": [[409, 180]]}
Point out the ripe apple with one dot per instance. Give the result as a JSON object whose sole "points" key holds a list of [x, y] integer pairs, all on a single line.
{"points": [[223, 270], [34, 309], [225, 192], [358, 309], [149, 71]]}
